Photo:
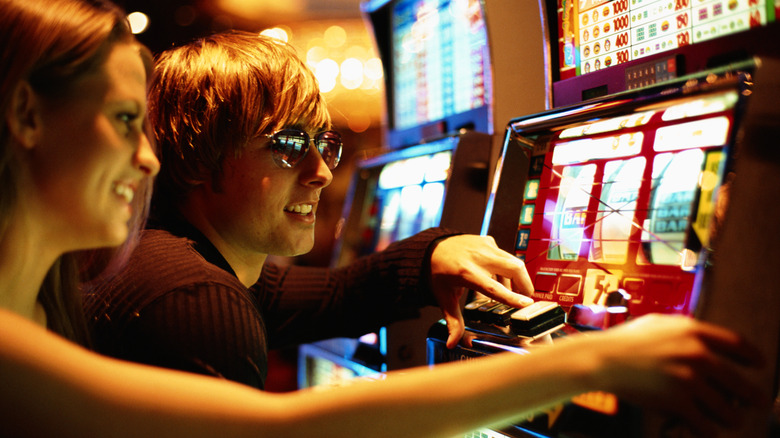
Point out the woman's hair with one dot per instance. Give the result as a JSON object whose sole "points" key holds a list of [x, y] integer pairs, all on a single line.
{"points": [[213, 96], [50, 44]]}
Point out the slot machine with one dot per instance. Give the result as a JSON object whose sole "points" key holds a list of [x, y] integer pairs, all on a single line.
{"points": [[450, 85], [615, 197], [394, 195]]}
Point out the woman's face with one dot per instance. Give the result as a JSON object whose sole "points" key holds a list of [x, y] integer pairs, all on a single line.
{"points": [[93, 153]]}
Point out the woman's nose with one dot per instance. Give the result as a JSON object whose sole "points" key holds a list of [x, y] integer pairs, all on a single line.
{"points": [[145, 159]]}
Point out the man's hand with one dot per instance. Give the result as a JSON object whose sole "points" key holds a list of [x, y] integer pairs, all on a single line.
{"points": [[475, 262]]}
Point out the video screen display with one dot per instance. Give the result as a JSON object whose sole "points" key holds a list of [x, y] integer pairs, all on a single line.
{"points": [[597, 34], [404, 194], [441, 62], [626, 203]]}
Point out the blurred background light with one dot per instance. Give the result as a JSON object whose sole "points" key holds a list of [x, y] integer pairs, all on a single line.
{"points": [[139, 22]]}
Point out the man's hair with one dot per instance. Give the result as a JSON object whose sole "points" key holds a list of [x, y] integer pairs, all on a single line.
{"points": [[213, 96]]}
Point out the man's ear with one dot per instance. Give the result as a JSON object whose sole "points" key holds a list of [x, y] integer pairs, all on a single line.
{"points": [[23, 115]]}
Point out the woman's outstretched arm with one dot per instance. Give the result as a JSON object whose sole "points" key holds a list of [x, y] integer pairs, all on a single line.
{"points": [[51, 386]]}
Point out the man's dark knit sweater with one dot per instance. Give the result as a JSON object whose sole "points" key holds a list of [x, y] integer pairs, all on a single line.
{"points": [[178, 303]]}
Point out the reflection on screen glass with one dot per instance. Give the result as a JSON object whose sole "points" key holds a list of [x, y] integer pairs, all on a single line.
{"points": [[408, 197], [570, 212], [675, 180], [614, 223]]}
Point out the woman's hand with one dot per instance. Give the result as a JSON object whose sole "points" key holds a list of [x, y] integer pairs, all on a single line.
{"points": [[695, 371]]}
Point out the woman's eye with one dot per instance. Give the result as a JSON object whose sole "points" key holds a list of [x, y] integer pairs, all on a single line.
{"points": [[127, 117]]}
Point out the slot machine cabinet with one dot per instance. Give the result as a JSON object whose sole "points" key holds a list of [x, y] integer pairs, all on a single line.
{"points": [[428, 58], [450, 71], [457, 204], [451, 173], [653, 160], [611, 234], [393, 195]]}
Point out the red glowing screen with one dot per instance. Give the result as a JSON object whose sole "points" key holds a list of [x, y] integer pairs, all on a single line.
{"points": [[626, 202]]}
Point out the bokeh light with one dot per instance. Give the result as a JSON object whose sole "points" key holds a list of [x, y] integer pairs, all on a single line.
{"points": [[139, 22]]}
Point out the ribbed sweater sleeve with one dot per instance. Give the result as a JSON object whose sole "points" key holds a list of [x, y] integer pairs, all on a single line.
{"points": [[302, 304]]}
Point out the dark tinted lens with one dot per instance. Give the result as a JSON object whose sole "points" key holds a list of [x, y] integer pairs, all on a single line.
{"points": [[329, 146], [289, 146]]}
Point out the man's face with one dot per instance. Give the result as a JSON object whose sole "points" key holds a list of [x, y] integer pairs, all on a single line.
{"points": [[261, 208]]}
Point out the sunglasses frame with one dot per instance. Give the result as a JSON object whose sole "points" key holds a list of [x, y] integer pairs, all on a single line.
{"points": [[283, 149]]}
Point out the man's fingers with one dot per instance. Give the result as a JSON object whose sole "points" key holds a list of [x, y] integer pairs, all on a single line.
{"points": [[455, 325], [505, 265], [494, 289], [521, 280]]}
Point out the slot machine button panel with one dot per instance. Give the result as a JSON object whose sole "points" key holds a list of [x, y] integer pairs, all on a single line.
{"points": [[537, 318]]}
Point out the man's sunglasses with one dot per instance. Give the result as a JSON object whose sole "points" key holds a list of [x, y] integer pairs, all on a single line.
{"points": [[290, 146]]}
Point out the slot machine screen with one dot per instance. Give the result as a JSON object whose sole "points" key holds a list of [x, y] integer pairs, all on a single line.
{"points": [[401, 192], [621, 202], [406, 198], [598, 34], [437, 66], [440, 60]]}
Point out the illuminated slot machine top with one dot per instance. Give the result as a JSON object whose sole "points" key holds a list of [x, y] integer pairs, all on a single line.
{"points": [[602, 47]]}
